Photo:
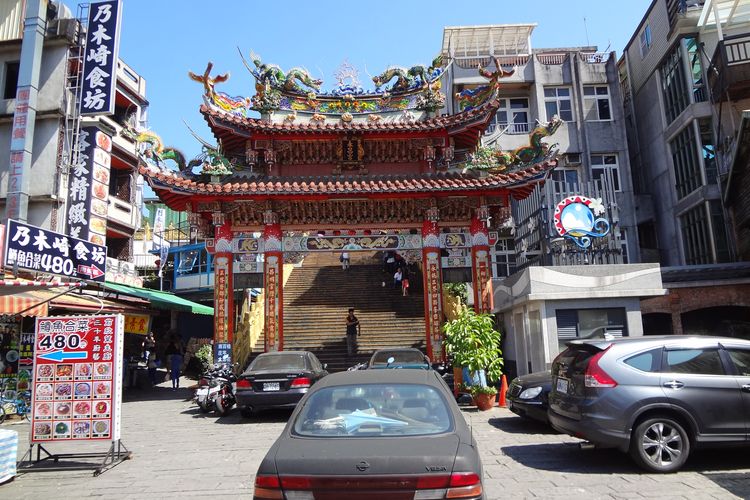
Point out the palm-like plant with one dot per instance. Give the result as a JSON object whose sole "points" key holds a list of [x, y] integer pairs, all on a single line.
{"points": [[474, 343]]}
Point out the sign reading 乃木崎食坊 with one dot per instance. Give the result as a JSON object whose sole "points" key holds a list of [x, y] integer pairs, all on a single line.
{"points": [[36, 249], [100, 61], [77, 378]]}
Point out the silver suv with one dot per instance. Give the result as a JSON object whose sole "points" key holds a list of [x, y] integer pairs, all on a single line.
{"points": [[654, 397]]}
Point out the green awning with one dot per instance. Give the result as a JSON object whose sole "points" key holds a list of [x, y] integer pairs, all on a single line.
{"points": [[161, 300]]}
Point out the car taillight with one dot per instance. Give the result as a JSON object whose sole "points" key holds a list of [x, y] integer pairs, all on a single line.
{"points": [[464, 485], [244, 383], [267, 486], [301, 382], [595, 376]]}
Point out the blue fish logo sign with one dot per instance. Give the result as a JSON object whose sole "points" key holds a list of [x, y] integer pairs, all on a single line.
{"points": [[578, 219]]}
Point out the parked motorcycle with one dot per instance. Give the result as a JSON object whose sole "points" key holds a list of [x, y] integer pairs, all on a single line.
{"points": [[215, 390]]}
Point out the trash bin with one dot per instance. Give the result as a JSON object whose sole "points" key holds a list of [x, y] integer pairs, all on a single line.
{"points": [[8, 454]]}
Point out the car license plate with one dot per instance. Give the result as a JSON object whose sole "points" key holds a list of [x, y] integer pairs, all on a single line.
{"points": [[271, 386], [562, 385]]}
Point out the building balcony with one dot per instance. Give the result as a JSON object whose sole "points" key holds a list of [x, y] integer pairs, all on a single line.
{"points": [[731, 61]]}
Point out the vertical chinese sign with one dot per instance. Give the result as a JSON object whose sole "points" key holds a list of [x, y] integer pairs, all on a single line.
{"points": [[16, 181], [100, 64], [88, 188], [480, 266], [77, 378], [433, 289], [221, 299]]}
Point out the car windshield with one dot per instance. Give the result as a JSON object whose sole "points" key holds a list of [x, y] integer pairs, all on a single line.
{"points": [[399, 358], [278, 362], [369, 410]]}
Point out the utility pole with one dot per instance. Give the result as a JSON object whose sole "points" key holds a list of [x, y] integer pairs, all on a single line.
{"points": [[24, 115]]}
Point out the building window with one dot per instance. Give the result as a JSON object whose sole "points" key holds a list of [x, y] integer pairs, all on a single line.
{"points": [[10, 86], [645, 40], [624, 246], [696, 236], [557, 102], [512, 116], [707, 150], [696, 69], [673, 85], [505, 258], [719, 229], [589, 323], [604, 169], [568, 177], [596, 104], [687, 169]]}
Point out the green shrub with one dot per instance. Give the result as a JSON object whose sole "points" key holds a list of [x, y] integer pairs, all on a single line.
{"points": [[205, 355]]}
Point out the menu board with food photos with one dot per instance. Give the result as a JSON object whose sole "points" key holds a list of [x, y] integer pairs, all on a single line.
{"points": [[77, 378]]}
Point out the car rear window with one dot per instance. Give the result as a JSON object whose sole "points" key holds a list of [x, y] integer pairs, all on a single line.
{"points": [[278, 362], [575, 359], [649, 361], [378, 410], [381, 358]]}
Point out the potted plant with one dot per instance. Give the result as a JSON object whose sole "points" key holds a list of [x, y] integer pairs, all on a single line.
{"points": [[474, 343]]}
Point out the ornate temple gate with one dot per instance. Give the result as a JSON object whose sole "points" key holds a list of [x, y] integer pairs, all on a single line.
{"points": [[358, 169], [272, 245]]}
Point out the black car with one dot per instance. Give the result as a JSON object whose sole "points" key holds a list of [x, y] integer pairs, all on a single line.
{"points": [[390, 433], [399, 357], [528, 395], [277, 380]]}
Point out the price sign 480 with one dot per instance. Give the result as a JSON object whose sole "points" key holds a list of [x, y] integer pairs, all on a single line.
{"points": [[60, 341]]}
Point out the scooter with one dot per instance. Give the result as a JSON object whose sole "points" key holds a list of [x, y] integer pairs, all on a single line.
{"points": [[215, 390]]}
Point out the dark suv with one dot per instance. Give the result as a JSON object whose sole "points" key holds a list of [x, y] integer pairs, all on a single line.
{"points": [[655, 397]]}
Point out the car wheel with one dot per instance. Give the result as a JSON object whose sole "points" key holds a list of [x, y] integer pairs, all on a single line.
{"points": [[660, 444]]}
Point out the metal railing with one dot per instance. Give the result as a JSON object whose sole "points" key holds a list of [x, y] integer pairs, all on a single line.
{"points": [[510, 128], [593, 57], [551, 59]]}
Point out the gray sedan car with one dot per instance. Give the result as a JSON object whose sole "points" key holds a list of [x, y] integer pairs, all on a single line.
{"points": [[391, 433], [654, 397]]}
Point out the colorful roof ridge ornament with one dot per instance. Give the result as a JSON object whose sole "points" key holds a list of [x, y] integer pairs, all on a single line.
{"points": [[150, 148], [234, 105], [494, 161], [577, 218], [472, 98]]}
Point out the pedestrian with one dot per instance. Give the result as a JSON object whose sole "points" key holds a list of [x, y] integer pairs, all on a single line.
{"points": [[151, 364], [148, 345], [174, 356], [344, 260], [352, 331], [397, 277], [405, 283]]}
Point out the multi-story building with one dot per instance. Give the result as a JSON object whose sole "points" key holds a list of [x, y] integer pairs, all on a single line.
{"points": [[545, 288], [580, 86], [56, 123], [685, 74]]}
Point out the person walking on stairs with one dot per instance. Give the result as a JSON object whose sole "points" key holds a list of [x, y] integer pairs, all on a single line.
{"points": [[345, 260], [352, 330]]}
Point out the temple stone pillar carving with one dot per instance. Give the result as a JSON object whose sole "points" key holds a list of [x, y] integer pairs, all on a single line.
{"points": [[223, 285], [433, 287], [481, 272], [273, 280]]}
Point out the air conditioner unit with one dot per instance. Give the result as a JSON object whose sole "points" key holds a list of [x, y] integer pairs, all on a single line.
{"points": [[572, 159]]}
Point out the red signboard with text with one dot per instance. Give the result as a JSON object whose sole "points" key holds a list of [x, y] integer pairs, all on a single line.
{"points": [[77, 378]]}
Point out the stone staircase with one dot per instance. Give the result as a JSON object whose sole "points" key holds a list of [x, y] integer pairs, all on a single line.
{"points": [[318, 295]]}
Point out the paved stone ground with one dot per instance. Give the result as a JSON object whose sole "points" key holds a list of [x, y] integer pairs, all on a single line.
{"points": [[179, 452]]}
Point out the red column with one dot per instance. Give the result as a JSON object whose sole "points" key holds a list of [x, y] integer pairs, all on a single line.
{"points": [[273, 277], [480, 266], [433, 287], [223, 286]]}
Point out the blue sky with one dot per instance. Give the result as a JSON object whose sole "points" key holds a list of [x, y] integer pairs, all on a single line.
{"points": [[164, 39]]}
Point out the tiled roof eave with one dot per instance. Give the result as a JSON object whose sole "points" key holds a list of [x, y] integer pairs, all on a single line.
{"points": [[336, 186]]}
